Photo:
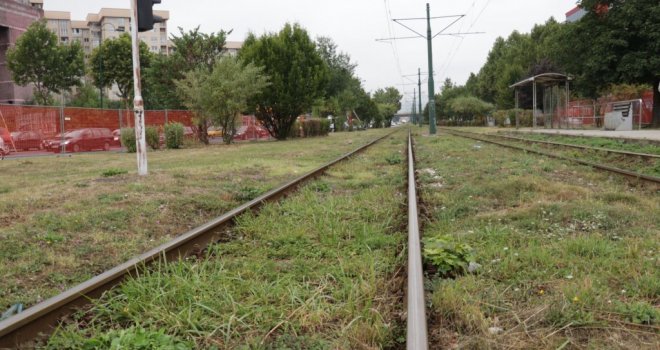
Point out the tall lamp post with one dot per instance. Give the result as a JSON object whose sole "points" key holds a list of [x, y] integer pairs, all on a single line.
{"points": [[101, 56]]}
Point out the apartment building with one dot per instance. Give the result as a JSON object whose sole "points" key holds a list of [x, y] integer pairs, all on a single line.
{"points": [[107, 24], [15, 17]]}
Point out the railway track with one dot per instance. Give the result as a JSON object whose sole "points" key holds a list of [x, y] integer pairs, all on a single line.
{"points": [[39, 321], [581, 147], [628, 173]]}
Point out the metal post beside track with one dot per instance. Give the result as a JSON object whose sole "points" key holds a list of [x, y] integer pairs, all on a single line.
{"points": [[416, 327]]}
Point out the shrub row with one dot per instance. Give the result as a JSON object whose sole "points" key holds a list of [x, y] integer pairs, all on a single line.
{"points": [[310, 128], [173, 137]]}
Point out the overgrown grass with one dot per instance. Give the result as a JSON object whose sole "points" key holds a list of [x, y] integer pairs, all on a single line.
{"points": [[64, 220], [569, 256], [317, 270]]}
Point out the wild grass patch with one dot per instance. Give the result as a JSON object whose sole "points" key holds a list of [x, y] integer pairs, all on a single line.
{"points": [[568, 255], [316, 270]]}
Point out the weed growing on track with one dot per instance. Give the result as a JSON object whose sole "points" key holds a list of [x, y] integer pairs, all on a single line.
{"points": [[317, 270], [64, 220], [602, 142], [569, 255]]}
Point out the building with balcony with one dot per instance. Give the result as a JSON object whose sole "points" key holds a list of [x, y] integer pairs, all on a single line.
{"points": [[109, 23], [15, 17]]}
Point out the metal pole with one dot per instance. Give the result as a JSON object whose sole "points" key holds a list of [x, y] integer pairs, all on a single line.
{"points": [[414, 113], [517, 111], [419, 94], [62, 145], [534, 104], [429, 40], [138, 103]]}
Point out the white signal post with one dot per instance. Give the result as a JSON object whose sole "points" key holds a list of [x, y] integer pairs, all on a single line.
{"points": [[138, 102]]}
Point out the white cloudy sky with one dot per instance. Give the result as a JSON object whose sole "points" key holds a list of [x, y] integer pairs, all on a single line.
{"points": [[355, 25]]}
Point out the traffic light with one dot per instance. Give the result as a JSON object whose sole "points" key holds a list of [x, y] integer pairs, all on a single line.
{"points": [[145, 13]]}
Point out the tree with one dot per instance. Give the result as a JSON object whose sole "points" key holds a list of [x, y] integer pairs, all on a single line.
{"points": [[223, 93], [38, 59], [86, 96], [193, 50], [112, 63], [388, 101], [297, 74], [617, 42], [466, 108]]}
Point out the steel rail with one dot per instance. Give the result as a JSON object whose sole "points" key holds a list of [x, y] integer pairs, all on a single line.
{"points": [[624, 172], [614, 151], [416, 326], [24, 329]]}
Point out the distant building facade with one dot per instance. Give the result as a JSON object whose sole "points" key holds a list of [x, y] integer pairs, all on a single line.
{"points": [[15, 17], [109, 23]]}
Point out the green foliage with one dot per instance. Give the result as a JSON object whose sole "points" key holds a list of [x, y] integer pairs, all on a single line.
{"points": [[153, 137], [394, 159], [640, 313], [467, 108], [112, 63], [310, 128], [86, 96], [113, 172], [133, 338], [297, 73], [220, 95], [448, 256], [173, 135], [193, 50], [247, 193], [388, 101], [38, 59], [128, 139]]}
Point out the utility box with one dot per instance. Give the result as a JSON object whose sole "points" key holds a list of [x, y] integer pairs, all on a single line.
{"points": [[621, 117]]}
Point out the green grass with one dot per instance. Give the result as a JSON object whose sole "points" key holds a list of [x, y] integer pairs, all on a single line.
{"points": [[64, 220], [569, 256], [318, 270], [602, 142]]}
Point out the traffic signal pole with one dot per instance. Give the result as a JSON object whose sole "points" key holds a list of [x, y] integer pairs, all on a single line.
{"points": [[138, 102]]}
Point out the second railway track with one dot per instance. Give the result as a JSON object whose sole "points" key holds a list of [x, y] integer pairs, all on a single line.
{"points": [[625, 172]]}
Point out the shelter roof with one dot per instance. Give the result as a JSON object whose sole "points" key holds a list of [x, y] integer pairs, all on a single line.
{"points": [[543, 79]]}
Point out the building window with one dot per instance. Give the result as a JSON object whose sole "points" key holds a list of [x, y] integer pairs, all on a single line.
{"points": [[86, 40]]}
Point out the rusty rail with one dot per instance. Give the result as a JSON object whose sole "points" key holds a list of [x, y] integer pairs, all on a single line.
{"points": [[23, 329]]}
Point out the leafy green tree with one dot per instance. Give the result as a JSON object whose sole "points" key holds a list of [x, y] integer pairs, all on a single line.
{"points": [[221, 95], [619, 45], [467, 108], [298, 76], [38, 59], [193, 50], [112, 63], [388, 101], [86, 96]]}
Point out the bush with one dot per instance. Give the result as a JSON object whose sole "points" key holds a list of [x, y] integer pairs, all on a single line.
{"points": [[524, 117], [153, 138], [449, 257], [128, 139], [173, 135]]}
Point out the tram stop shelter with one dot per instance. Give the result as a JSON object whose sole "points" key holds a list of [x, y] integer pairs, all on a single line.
{"points": [[554, 91]]}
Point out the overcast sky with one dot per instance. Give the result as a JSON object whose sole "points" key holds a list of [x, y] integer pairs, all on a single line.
{"points": [[355, 25]]}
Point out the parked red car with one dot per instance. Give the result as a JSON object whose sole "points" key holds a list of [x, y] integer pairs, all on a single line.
{"points": [[26, 140], [82, 140]]}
